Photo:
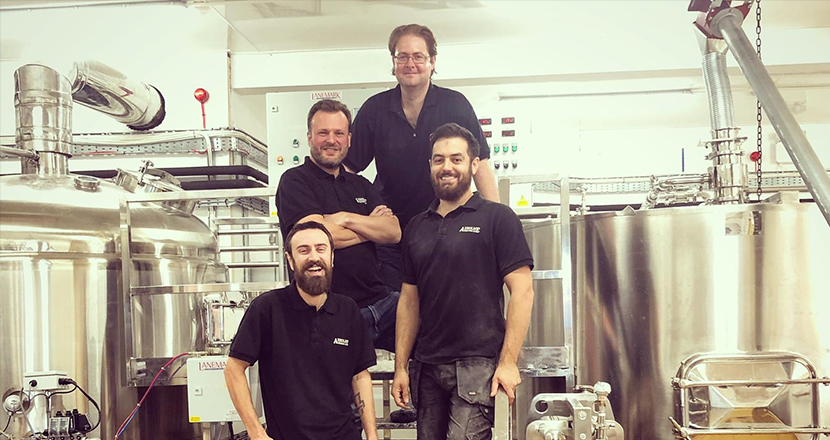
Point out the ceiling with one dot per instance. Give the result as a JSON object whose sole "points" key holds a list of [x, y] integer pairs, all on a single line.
{"points": [[312, 25]]}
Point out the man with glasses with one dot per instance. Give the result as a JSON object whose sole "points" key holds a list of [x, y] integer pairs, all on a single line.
{"points": [[393, 128]]}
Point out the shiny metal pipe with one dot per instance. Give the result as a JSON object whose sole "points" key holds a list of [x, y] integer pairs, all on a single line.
{"points": [[12, 151], [102, 88], [728, 23], [718, 90], [43, 118]]}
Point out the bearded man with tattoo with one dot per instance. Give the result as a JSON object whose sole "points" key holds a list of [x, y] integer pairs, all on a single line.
{"points": [[313, 352]]}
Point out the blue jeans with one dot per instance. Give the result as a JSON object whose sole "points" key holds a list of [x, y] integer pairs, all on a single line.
{"points": [[380, 320], [453, 399]]}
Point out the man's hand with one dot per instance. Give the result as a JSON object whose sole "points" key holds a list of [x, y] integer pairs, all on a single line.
{"points": [[381, 210], [342, 218], [400, 389], [507, 376], [262, 437]]}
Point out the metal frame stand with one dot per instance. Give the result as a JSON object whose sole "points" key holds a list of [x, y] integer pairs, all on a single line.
{"points": [[545, 361]]}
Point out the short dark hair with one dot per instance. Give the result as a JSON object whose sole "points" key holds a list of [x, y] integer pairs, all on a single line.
{"points": [[311, 224], [418, 31], [453, 130], [328, 106]]}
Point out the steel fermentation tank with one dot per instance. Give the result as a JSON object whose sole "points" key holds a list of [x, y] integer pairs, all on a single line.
{"points": [[657, 286], [62, 299]]}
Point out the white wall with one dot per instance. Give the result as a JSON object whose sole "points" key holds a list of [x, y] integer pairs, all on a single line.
{"points": [[174, 48]]}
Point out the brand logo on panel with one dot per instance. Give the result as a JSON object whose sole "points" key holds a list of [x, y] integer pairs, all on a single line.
{"points": [[361, 200], [341, 341], [317, 96], [212, 365], [470, 229]]}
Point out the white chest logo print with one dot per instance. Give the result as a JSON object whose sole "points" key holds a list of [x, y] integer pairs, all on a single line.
{"points": [[341, 341], [470, 229], [361, 200]]}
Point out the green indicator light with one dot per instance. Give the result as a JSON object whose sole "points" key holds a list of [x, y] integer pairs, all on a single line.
{"points": [[515, 147], [495, 149], [505, 148]]}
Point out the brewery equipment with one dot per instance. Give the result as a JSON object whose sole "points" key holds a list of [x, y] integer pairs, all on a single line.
{"points": [[706, 320], [62, 290]]}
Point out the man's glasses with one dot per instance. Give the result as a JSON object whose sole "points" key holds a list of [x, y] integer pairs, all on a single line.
{"points": [[417, 58]]}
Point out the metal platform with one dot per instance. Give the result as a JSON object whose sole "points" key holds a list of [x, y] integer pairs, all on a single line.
{"points": [[178, 142], [771, 181]]}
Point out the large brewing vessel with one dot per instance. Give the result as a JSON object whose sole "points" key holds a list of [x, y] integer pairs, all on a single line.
{"points": [[62, 293], [655, 287]]}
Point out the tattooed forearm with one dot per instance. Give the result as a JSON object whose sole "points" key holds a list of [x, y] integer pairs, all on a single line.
{"points": [[359, 403]]}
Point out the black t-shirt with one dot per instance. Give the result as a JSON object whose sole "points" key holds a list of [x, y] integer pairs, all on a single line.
{"points": [[306, 190], [401, 153], [458, 263], [307, 359]]}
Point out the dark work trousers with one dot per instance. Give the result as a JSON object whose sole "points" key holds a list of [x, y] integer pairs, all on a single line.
{"points": [[453, 400], [390, 260], [380, 320]]}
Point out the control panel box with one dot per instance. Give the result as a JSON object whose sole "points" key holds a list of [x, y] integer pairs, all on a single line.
{"points": [[208, 399], [45, 381]]}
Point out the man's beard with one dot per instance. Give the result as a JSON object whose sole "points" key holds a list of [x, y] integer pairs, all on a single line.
{"points": [[314, 285], [452, 193], [325, 162]]}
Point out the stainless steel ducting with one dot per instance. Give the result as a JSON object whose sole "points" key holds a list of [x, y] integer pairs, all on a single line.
{"points": [[102, 88], [43, 113]]}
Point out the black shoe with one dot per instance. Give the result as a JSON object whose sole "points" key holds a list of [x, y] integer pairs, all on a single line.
{"points": [[403, 416]]}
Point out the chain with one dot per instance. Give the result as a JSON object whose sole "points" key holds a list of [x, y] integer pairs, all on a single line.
{"points": [[759, 115]]}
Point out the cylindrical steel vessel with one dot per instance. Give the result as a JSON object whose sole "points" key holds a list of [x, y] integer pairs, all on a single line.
{"points": [[62, 301], [655, 287]]}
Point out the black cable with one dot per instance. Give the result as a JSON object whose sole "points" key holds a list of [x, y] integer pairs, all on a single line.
{"points": [[91, 400], [8, 422], [230, 431], [64, 392]]}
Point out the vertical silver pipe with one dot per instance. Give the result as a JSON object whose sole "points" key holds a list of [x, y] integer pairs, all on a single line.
{"points": [[728, 171], [43, 116], [568, 303], [719, 90], [728, 23]]}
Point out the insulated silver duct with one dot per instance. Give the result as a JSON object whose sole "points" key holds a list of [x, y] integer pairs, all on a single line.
{"points": [[728, 173], [718, 89], [102, 88], [43, 113], [43, 110]]}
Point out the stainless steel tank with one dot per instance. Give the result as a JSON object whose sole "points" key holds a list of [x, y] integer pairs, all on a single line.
{"points": [[654, 287], [62, 299], [63, 302]]}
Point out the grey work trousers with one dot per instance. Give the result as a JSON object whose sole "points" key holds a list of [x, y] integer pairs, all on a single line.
{"points": [[453, 400]]}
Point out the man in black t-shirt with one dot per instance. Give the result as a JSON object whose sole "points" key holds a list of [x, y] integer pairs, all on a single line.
{"points": [[457, 256], [352, 209], [313, 352], [393, 127]]}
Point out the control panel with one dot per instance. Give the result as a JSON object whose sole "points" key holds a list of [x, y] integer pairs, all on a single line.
{"points": [[207, 393], [504, 136]]}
